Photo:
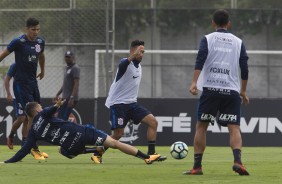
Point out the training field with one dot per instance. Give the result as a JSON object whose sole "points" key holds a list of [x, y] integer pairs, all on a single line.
{"points": [[264, 165]]}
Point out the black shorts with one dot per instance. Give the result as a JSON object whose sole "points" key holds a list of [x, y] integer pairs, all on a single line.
{"points": [[223, 106], [25, 93], [121, 114]]}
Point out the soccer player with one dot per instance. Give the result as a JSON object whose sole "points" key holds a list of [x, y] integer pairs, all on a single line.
{"points": [[19, 112], [122, 100], [29, 50], [69, 89], [221, 73], [71, 137]]}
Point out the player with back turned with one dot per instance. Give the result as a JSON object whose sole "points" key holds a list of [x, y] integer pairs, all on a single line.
{"points": [[221, 72], [29, 51]]}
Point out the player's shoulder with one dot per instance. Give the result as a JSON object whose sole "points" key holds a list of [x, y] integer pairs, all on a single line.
{"points": [[76, 66], [19, 39], [123, 60], [40, 40]]}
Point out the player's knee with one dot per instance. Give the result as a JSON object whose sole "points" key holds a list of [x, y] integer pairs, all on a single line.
{"points": [[153, 123], [117, 134]]}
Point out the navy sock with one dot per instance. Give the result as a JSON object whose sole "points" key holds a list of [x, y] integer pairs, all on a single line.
{"points": [[198, 160], [142, 155], [151, 147], [237, 156]]}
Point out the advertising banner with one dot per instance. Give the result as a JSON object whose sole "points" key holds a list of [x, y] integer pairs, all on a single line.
{"points": [[261, 122]]}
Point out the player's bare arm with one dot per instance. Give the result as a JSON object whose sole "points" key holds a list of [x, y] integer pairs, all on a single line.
{"points": [[42, 66], [243, 92], [4, 54], [74, 92], [193, 88], [7, 88]]}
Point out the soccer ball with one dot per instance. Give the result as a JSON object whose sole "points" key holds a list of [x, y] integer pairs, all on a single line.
{"points": [[179, 150]]}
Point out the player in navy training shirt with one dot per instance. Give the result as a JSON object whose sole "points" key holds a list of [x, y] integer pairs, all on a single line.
{"points": [[29, 51], [17, 107], [71, 137]]}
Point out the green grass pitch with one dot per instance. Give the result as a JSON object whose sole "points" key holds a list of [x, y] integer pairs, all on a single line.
{"points": [[263, 163]]}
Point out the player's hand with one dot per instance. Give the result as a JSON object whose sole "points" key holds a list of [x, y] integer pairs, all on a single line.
{"points": [[245, 98], [40, 75], [55, 99], [9, 98], [138, 52], [71, 103], [60, 102], [2, 162], [193, 89]]}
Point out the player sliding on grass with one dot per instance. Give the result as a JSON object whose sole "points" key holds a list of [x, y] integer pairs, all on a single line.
{"points": [[221, 72], [71, 137]]}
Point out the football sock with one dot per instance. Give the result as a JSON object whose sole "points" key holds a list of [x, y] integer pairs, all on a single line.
{"points": [[198, 160], [35, 147], [151, 147], [237, 156], [12, 134], [91, 150], [142, 155]]}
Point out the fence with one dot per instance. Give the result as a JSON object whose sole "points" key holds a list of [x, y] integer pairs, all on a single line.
{"points": [[168, 73], [80, 26]]}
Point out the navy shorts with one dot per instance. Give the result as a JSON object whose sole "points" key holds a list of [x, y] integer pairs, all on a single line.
{"points": [[223, 106], [94, 136], [19, 111], [121, 113], [25, 93]]}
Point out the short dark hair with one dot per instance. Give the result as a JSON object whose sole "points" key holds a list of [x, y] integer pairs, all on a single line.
{"points": [[30, 22], [135, 43], [221, 17], [29, 108]]}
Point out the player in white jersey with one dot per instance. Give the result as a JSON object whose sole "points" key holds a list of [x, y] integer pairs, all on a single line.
{"points": [[122, 100], [221, 72]]}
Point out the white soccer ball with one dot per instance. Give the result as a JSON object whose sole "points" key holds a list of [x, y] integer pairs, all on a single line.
{"points": [[179, 150]]}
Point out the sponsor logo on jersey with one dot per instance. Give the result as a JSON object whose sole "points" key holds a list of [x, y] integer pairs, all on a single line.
{"points": [[45, 130], [38, 124], [62, 140], [55, 133], [39, 40]]}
